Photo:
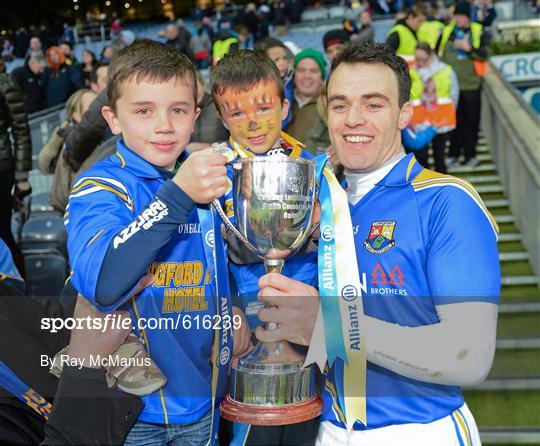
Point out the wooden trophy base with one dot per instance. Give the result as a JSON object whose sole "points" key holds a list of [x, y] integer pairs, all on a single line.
{"points": [[271, 415]]}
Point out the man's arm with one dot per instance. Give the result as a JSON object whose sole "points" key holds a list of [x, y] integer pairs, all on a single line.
{"points": [[19, 128]]}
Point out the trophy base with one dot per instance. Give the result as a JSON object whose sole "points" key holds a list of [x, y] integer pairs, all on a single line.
{"points": [[271, 415]]}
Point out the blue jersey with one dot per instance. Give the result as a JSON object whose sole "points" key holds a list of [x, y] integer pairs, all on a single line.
{"points": [[422, 239], [8, 271], [116, 201], [302, 267]]}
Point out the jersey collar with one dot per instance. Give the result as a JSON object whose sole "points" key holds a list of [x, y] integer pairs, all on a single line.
{"points": [[402, 173], [129, 160]]}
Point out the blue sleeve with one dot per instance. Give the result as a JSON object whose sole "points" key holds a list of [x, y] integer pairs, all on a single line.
{"points": [[109, 247], [126, 262], [462, 257], [417, 141]]}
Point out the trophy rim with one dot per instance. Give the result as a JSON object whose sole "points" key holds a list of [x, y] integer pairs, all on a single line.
{"points": [[271, 159]]}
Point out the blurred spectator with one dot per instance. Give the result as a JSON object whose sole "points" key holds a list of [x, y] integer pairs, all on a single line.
{"points": [[69, 34], [227, 42], [178, 42], [7, 50], [434, 96], [106, 54], [35, 45], [309, 75], [15, 157], [208, 126], [431, 28], [334, 41], [463, 46], [483, 12], [279, 17], [366, 31], [70, 58], [116, 26], [250, 20], [98, 78], [201, 46], [88, 63], [30, 80], [402, 36], [276, 50], [76, 106], [21, 40], [226, 15], [60, 80], [183, 32], [263, 15], [2, 66], [245, 39], [380, 6], [294, 10]]}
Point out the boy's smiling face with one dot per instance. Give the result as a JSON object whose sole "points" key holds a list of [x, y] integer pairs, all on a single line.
{"points": [[156, 119], [254, 116]]}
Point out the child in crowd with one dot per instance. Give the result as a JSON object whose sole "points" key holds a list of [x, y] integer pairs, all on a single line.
{"points": [[136, 213], [276, 50]]}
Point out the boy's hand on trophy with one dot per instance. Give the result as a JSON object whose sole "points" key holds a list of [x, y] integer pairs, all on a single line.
{"points": [[203, 176], [241, 335], [291, 304], [316, 221]]}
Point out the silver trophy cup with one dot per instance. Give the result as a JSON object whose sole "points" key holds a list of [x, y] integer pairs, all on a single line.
{"points": [[273, 201]]}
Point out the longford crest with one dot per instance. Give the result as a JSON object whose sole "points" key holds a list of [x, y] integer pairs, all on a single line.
{"points": [[380, 239]]}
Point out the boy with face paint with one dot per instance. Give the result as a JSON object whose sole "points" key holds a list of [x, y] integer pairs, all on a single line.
{"points": [[249, 95]]}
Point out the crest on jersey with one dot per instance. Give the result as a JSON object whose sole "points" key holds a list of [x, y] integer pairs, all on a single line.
{"points": [[380, 238]]}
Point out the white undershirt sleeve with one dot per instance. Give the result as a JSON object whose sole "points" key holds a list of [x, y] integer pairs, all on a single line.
{"points": [[458, 350]]}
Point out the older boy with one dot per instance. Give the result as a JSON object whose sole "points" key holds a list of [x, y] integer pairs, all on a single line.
{"points": [[131, 214]]}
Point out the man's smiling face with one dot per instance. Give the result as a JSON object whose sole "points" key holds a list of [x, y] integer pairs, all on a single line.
{"points": [[364, 116]]}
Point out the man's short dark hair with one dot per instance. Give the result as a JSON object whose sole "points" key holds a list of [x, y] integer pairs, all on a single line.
{"points": [[93, 74], [148, 60], [376, 53], [242, 70]]}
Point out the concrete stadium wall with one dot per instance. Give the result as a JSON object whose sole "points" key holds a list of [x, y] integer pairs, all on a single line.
{"points": [[512, 131]]}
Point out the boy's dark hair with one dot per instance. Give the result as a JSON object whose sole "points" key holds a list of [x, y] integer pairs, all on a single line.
{"points": [[243, 69], [266, 43], [148, 60], [93, 74], [376, 53]]}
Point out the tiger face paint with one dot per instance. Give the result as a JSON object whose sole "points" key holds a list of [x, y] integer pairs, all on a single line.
{"points": [[254, 116]]}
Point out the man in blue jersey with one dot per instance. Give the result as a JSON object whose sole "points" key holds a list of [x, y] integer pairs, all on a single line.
{"points": [[133, 214], [426, 250]]}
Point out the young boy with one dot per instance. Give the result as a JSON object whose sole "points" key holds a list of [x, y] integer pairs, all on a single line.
{"points": [[131, 214], [248, 92], [278, 53]]}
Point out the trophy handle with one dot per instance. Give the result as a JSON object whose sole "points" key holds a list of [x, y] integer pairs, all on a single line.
{"points": [[236, 232]]}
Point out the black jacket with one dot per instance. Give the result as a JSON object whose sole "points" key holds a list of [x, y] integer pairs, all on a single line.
{"points": [[88, 134], [32, 87], [13, 117], [84, 410]]}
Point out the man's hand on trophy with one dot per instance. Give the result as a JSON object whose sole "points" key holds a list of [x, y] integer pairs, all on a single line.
{"points": [[242, 334], [316, 221], [291, 304], [203, 176]]}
